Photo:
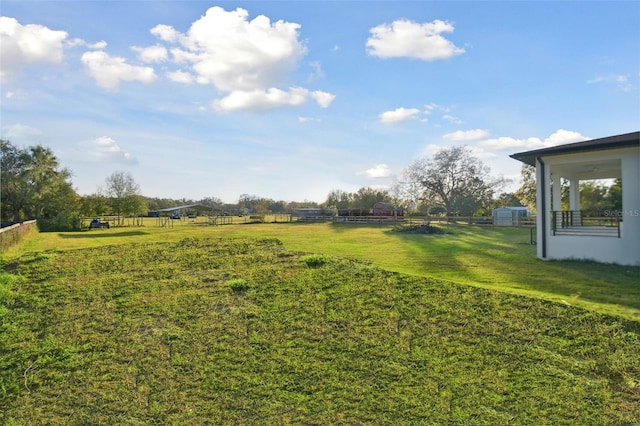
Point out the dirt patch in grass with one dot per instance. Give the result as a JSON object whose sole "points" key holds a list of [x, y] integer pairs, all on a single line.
{"points": [[420, 229]]}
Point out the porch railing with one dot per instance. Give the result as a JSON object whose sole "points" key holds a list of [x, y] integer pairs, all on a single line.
{"points": [[575, 222]]}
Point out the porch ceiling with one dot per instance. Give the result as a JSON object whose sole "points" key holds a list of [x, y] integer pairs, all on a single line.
{"points": [[605, 169]]}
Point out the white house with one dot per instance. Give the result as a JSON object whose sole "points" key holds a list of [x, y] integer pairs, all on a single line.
{"points": [[614, 237]]}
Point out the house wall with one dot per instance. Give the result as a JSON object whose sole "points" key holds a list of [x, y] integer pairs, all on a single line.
{"points": [[624, 250]]}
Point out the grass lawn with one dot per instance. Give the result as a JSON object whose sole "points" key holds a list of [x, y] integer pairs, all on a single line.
{"points": [[500, 258], [209, 326]]}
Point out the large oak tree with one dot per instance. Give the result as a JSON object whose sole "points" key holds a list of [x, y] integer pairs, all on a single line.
{"points": [[452, 179]]}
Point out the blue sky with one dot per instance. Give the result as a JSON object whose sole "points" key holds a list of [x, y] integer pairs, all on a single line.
{"points": [[290, 100]]}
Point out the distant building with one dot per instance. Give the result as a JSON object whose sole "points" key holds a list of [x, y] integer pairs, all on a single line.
{"points": [[509, 216], [383, 208], [307, 212]]}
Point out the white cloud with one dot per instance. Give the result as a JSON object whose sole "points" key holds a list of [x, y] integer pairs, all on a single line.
{"points": [[477, 151], [99, 45], [261, 100], [431, 149], [105, 148], [108, 71], [181, 77], [466, 136], [317, 72], [452, 119], [481, 153], [80, 42], [559, 137], [308, 119], [151, 54], [21, 132], [377, 171], [166, 33], [17, 95], [399, 115], [233, 53], [324, 99], [247, 59], [429, 108], [405, 38], [621, 81], [27, 44]]}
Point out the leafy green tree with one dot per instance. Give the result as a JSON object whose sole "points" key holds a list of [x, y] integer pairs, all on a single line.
{"points": [[161, 203], [437, 210], [94, 205], [254, 204], [33, 185], [45, 182], [278, 207], [213, 202], [339, 199], [592, 197], [13, 188], [596, 197], [527, 192], [60, 210], [614, 195], [454, 179], [124, 195], [366, 197]]}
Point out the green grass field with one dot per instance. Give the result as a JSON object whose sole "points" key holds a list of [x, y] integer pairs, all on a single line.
{"points": [[313, 324], [498, 258], [114, 327]]}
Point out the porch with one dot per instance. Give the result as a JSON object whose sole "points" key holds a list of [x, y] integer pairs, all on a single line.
{"points": [[568, 227]]}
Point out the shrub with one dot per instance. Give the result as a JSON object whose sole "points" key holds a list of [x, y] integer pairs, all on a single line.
{"points": [[315, 260], [238, 285]]}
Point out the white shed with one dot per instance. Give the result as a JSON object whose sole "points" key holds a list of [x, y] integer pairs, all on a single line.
{"points": [[508, 216]]}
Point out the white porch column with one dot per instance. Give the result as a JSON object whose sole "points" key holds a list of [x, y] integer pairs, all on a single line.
{"points": [[556, 192], [574, 194]]}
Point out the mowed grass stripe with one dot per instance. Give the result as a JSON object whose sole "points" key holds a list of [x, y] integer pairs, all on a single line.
{"points": [[163, 333]]}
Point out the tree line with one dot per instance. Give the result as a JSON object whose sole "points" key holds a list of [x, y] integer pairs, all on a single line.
{"points": [[452, 182]]}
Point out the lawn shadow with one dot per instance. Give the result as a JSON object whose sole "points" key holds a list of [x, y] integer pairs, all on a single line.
{"points": [[505, 260], [91, 234], [345, 226]]}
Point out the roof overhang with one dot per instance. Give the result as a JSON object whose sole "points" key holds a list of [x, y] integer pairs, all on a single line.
{"points": [[611, 142]]}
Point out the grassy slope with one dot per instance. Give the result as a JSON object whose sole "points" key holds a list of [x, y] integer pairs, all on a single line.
{"points": [[155, 334], [492, 257]]}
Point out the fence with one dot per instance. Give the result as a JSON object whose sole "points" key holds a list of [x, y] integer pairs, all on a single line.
{"points": [[167, 221], [528, 221], [574, 222], [11, 235]]}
